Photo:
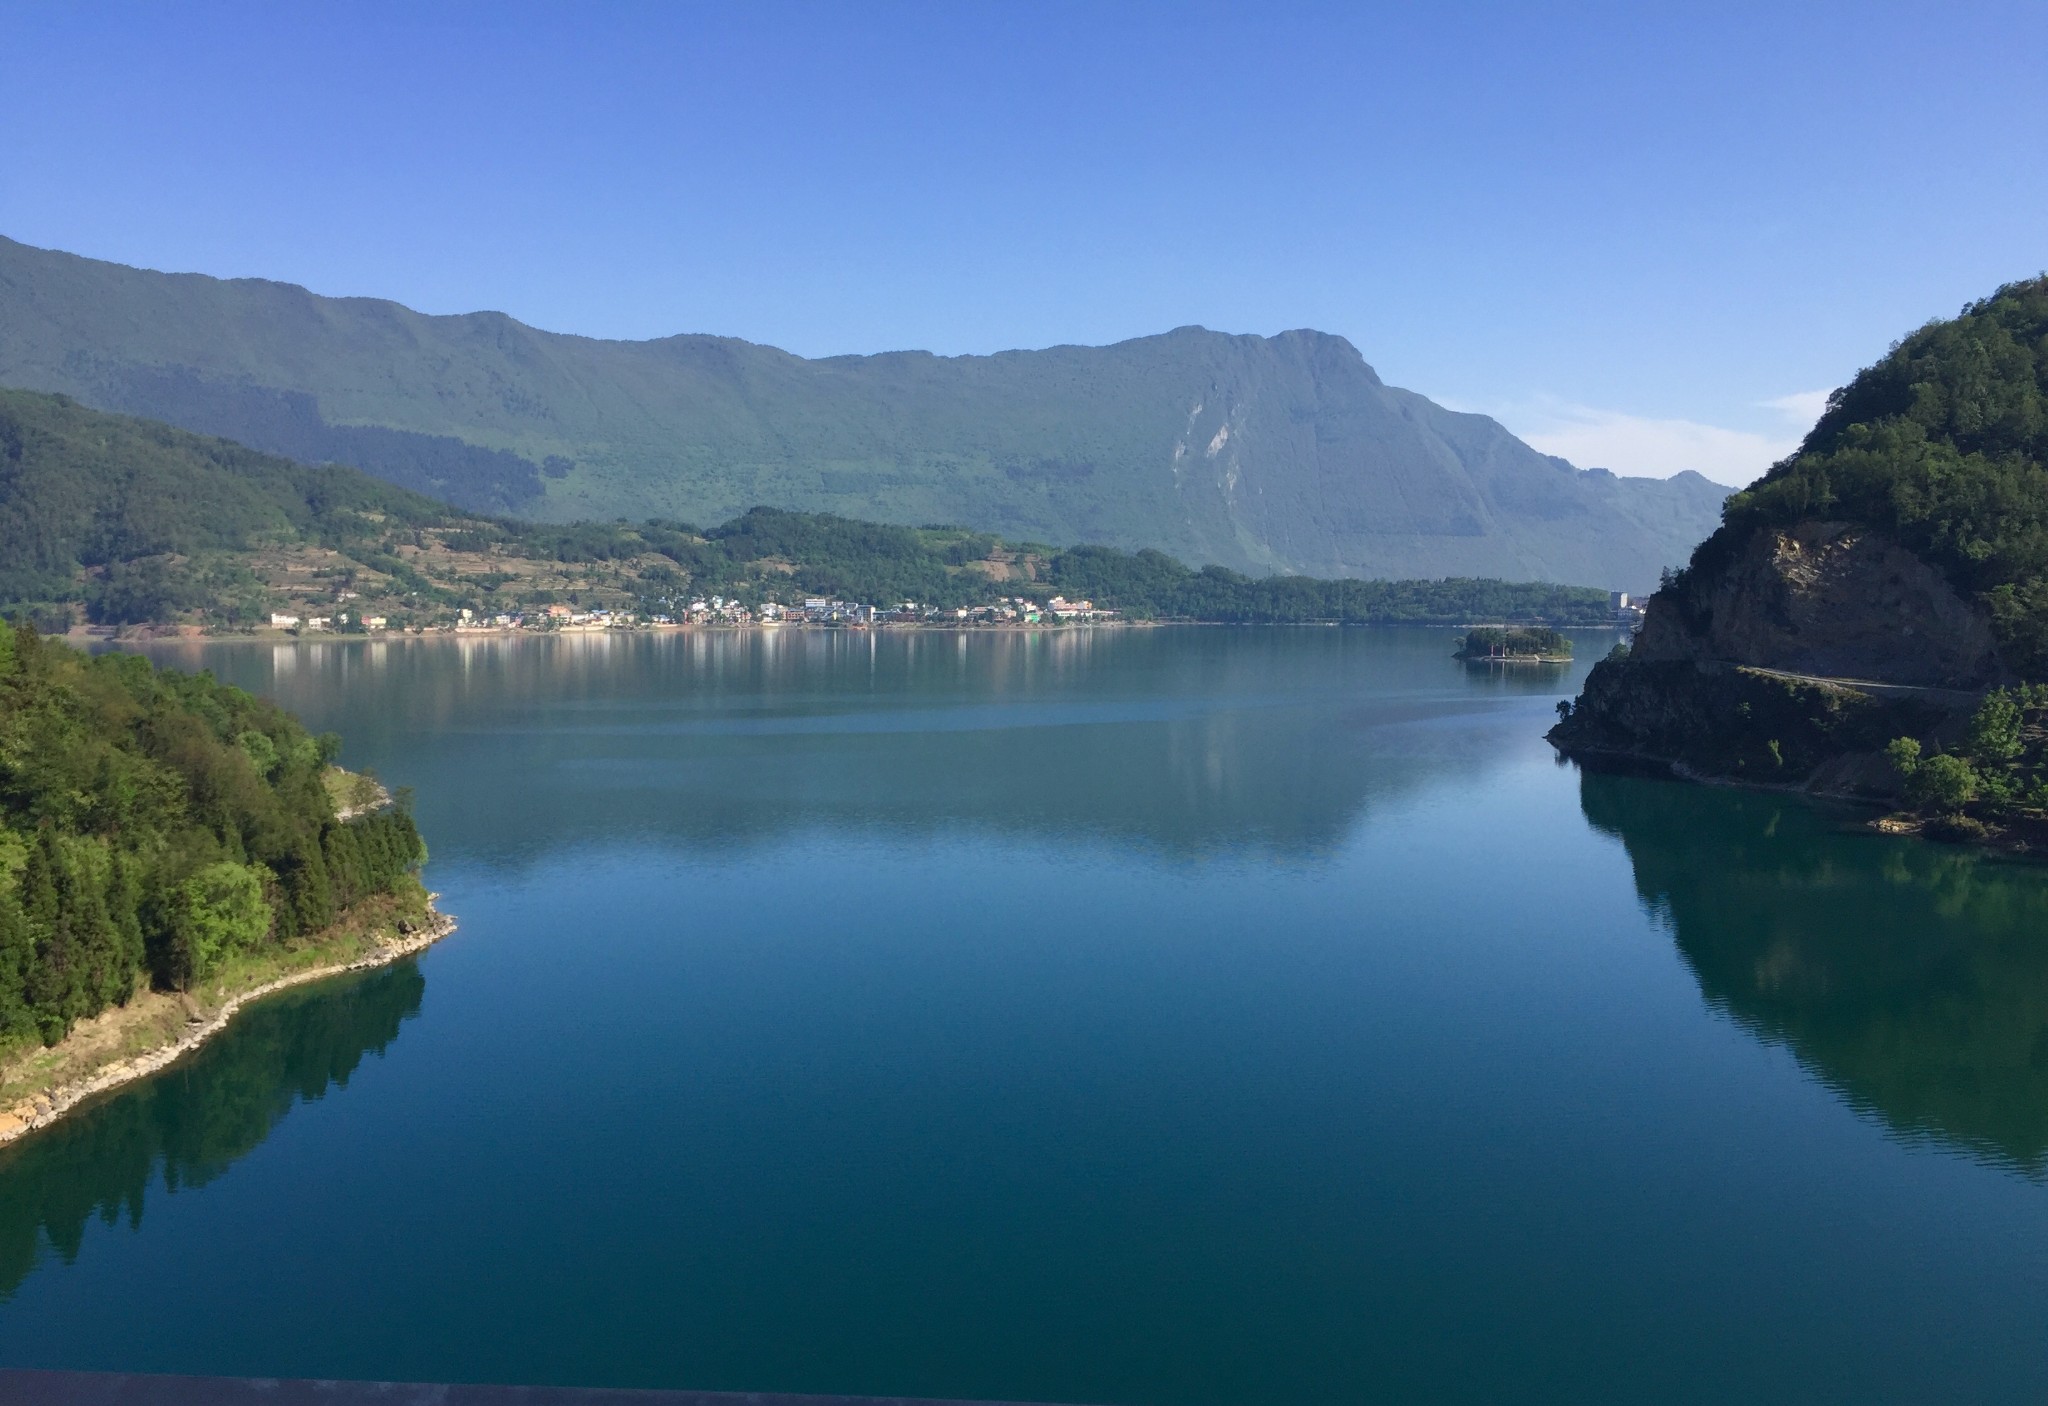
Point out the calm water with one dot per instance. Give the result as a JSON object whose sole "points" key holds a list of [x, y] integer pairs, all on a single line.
{"points": [[1179, 1016]]}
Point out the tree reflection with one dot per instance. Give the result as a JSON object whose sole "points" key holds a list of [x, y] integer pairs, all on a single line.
{"points": [[191, 1122], [1910, 978]]}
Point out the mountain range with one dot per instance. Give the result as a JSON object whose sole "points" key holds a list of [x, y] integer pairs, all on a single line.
{"points": [[1282, 454]]}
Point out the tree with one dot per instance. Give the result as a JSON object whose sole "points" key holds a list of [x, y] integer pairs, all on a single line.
{"points": [[1995, 730], [1943, 782], [218, 911]]}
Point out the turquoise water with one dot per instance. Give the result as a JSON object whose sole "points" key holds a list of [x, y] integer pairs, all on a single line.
{"points": [[1170, 1016]]}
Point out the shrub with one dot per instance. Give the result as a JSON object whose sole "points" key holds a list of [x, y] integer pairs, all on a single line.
{"points": [[1943, 782]]}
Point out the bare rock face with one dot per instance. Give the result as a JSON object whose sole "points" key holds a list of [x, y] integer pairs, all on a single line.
{"points": [[1829, 599]]}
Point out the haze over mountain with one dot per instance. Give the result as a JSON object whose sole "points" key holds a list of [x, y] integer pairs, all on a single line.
{"points": [[1264, 454]]}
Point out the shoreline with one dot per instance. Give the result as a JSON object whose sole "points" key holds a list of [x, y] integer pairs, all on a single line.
{"points": [[36, 1111], [100, 635], [2015, 839]]}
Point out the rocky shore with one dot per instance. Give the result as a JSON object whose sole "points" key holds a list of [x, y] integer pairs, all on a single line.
{"points": [[1792, 664], [199, 1024]]}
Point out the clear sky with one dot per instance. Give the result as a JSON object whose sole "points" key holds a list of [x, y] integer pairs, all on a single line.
{"points": [[1643, 235]]}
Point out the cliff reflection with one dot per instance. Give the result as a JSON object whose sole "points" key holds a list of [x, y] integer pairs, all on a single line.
{"points": [[1910, 978], [191, 1122], [1186, 741]]}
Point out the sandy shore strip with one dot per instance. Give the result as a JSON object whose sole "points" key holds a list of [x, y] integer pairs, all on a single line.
{"points": [[41, 1110]]}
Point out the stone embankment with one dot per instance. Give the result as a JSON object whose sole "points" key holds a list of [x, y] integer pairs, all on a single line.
{"points": [[43, 1109]]}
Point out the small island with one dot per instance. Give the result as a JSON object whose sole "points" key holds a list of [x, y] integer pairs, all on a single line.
{"points": [[1495, 644]]}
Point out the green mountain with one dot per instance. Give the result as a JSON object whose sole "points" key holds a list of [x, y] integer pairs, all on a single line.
{"points": [[139, 522], [1262, 454]]}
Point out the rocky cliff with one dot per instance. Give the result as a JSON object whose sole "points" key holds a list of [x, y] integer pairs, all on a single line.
{"points": [[1826, 599], [1792, 659], [1874, 586]]}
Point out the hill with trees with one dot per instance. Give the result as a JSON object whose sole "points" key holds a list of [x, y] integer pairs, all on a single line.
{"points": [[1943, 447], [1905, 545], [155, 826], [1264, 455], [128, 521]]}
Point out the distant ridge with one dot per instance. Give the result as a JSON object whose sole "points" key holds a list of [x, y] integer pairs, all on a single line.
{"points": [[141, 523], [1263, 454]]}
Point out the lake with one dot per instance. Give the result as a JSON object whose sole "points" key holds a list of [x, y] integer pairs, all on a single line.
{"points": [[1126, 1016]]}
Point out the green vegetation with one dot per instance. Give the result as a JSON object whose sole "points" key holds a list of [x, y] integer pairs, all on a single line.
{"points": [[1494, 642], [1153, 585], [136, 522], [1264, 454], [1943, 445], [154, 824], [2001, 770]]}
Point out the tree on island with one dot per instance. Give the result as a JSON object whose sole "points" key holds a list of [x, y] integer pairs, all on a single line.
{"points": [[1532, 643]]}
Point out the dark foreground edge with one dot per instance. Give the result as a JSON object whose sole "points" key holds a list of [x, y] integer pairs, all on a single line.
{"points": [[27, 1388]]}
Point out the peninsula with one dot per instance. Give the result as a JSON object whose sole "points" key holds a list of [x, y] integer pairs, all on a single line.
{"points": [[1871, 618], [171, 848]]}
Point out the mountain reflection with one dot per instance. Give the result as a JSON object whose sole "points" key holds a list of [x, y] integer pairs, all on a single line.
{"points": [[196, 1118], [1183, 741], [1910, 978]]}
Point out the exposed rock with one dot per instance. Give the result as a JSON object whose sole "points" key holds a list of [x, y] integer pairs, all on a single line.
{"points": [[1792, 662], [1725, 721], [1827, 599]]}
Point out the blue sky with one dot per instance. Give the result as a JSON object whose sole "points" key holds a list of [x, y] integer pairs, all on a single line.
{"points": [[1645, 236]]}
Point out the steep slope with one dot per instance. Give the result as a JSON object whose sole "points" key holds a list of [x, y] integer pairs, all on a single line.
{"points": [[1262, 454], [1868, 587]]}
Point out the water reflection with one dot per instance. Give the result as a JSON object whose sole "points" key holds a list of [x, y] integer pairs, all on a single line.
{"points": [[193, 1121], [1910, 978], [1185, 741]]}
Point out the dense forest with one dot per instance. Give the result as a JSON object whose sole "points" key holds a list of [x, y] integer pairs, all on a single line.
{"points": [[129, 521], [1944, 445], [135, 521], [154, 824]]}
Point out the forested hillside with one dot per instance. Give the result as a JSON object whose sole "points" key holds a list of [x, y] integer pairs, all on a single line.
{"points": [[135, 521], [1905, 543], [1943, 445], [1260, 454], [128, 521], [154, 825]]}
